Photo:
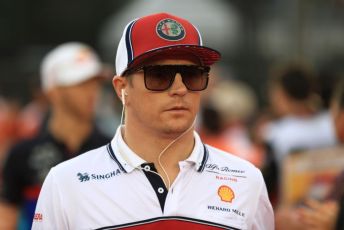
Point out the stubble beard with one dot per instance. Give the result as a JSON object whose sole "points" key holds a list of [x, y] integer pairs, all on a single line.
{"points": [[166, 127], [174, 129]]}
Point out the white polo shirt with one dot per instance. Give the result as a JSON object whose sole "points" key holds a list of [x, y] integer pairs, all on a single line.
{"points": [[113, 188]]}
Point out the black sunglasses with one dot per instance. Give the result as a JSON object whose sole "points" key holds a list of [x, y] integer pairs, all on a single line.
{"points": [[161, 77]]}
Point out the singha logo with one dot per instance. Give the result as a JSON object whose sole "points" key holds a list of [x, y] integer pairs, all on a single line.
{"points": [[83, 177]]}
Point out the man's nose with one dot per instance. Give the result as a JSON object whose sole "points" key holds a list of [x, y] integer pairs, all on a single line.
{"points": [[178, 86]]}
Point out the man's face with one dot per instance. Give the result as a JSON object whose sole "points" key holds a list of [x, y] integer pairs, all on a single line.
{"points": [[168, 112], [79, 100]]}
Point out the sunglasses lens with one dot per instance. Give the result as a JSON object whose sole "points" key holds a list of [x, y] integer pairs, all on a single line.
{"points": [[161, 77], [158, 78], [195, 78]]}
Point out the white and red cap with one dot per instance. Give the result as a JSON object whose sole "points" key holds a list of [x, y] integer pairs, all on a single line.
{"points": [[160, 33], [69, 64]]}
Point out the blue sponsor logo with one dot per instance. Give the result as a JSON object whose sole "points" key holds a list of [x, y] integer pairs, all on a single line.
{"points": [[83, 177]]}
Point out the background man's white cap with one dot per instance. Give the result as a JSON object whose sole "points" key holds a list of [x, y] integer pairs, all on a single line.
{"points": [[69, 64]]}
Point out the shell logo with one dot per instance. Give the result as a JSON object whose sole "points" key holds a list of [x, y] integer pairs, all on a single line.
{"points": [[226, 193]]}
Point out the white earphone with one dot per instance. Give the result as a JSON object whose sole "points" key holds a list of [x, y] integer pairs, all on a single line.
{"points": [[123, 94]]}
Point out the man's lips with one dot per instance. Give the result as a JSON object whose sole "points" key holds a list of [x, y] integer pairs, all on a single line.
{"points": [[177, 108]]}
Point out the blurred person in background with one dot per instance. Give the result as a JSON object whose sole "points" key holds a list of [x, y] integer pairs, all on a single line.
{"points": [[297, 107], [33, 114], [298, 122], [9, 112], [224, 118], [18, 121], [327, 214], [70, 76]]}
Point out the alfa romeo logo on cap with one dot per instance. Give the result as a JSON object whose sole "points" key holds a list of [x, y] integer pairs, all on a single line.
{"points": [[170, 29]]}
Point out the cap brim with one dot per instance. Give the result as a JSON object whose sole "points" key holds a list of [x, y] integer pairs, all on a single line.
{"points": [[206, 55]]}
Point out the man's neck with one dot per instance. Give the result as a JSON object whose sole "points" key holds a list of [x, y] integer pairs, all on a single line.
{"points": [[165, 151], [149, 144], [70, 131]]}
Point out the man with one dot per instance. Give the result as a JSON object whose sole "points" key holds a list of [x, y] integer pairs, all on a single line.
{"points": [[295, 102], [297, 122], [329, 215], [70, 78], [156, 173]]}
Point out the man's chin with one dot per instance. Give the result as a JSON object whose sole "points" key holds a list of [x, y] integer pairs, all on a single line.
{"points": [[177, 129]]}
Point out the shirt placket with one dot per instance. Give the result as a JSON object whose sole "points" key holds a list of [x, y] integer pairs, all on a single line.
{"points": [[172, 203]]}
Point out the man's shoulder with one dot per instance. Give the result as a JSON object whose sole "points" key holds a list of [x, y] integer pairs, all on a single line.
{"points": [[221, 155], [94, 165]]}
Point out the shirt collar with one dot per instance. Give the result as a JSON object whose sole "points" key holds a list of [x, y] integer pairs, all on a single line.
{"points": [[128, 160], [126, 157], [198, 153]]}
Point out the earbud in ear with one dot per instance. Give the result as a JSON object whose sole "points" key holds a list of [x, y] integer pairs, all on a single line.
{"points": [[123, 94]]}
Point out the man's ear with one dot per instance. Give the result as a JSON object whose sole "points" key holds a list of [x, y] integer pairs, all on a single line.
{"points": [[119, 83]]}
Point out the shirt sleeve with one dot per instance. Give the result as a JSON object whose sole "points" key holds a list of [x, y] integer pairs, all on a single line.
{"points": [[49, 212], [264, 216]]}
